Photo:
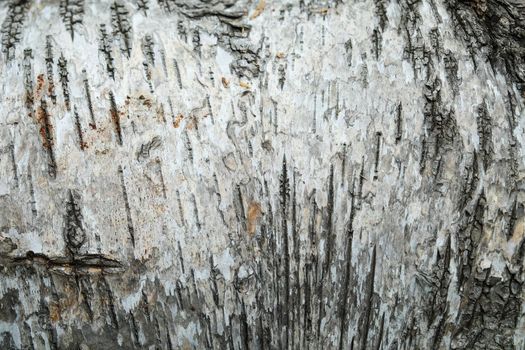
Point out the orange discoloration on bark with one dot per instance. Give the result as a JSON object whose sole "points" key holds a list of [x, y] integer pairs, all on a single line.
{"points": [[254, 212], [245, 85], [115, 118], [39, 84], [54, 312], [45, 129], [258, 9], [177, 121]]}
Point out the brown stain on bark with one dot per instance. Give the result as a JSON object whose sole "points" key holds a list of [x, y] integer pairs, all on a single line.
{"points": [[254, 212], [186, 345], [50, 88], [65, 307], [145, 101], [192, 123], [45, 129], [178, 120], [39, 84], [258, 9], [54, 312], [115, 118]]}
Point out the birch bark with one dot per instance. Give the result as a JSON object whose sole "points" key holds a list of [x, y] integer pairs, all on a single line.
{"points": [[179, 174]]}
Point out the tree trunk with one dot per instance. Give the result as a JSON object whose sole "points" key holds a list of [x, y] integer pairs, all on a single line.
{"points": [[299, 174]]}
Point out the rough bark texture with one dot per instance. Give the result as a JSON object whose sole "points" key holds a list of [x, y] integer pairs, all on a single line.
{"points": [[262, 175]]}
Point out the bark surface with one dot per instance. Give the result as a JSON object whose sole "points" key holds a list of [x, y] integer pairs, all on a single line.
{"points": [[220, 174]]}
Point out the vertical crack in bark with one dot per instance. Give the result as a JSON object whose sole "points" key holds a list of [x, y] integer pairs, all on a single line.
{"points": [[121, 26], [78, 128], [109, 302], [46, 134], [87, 93], [12, 26], [13, 163], [345, 287], [365, 315], [28, 80], [284, 195], [34, 211], [399, 122], [469, 235], [50, 61], [377, 154], [64, 79], [74, 234], [131, 229], [105, 48], [486, 147], [115, 117], [71, 12], [329, 236]]}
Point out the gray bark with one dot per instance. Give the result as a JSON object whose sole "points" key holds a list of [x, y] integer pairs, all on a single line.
{"points": [[262, 175]]}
